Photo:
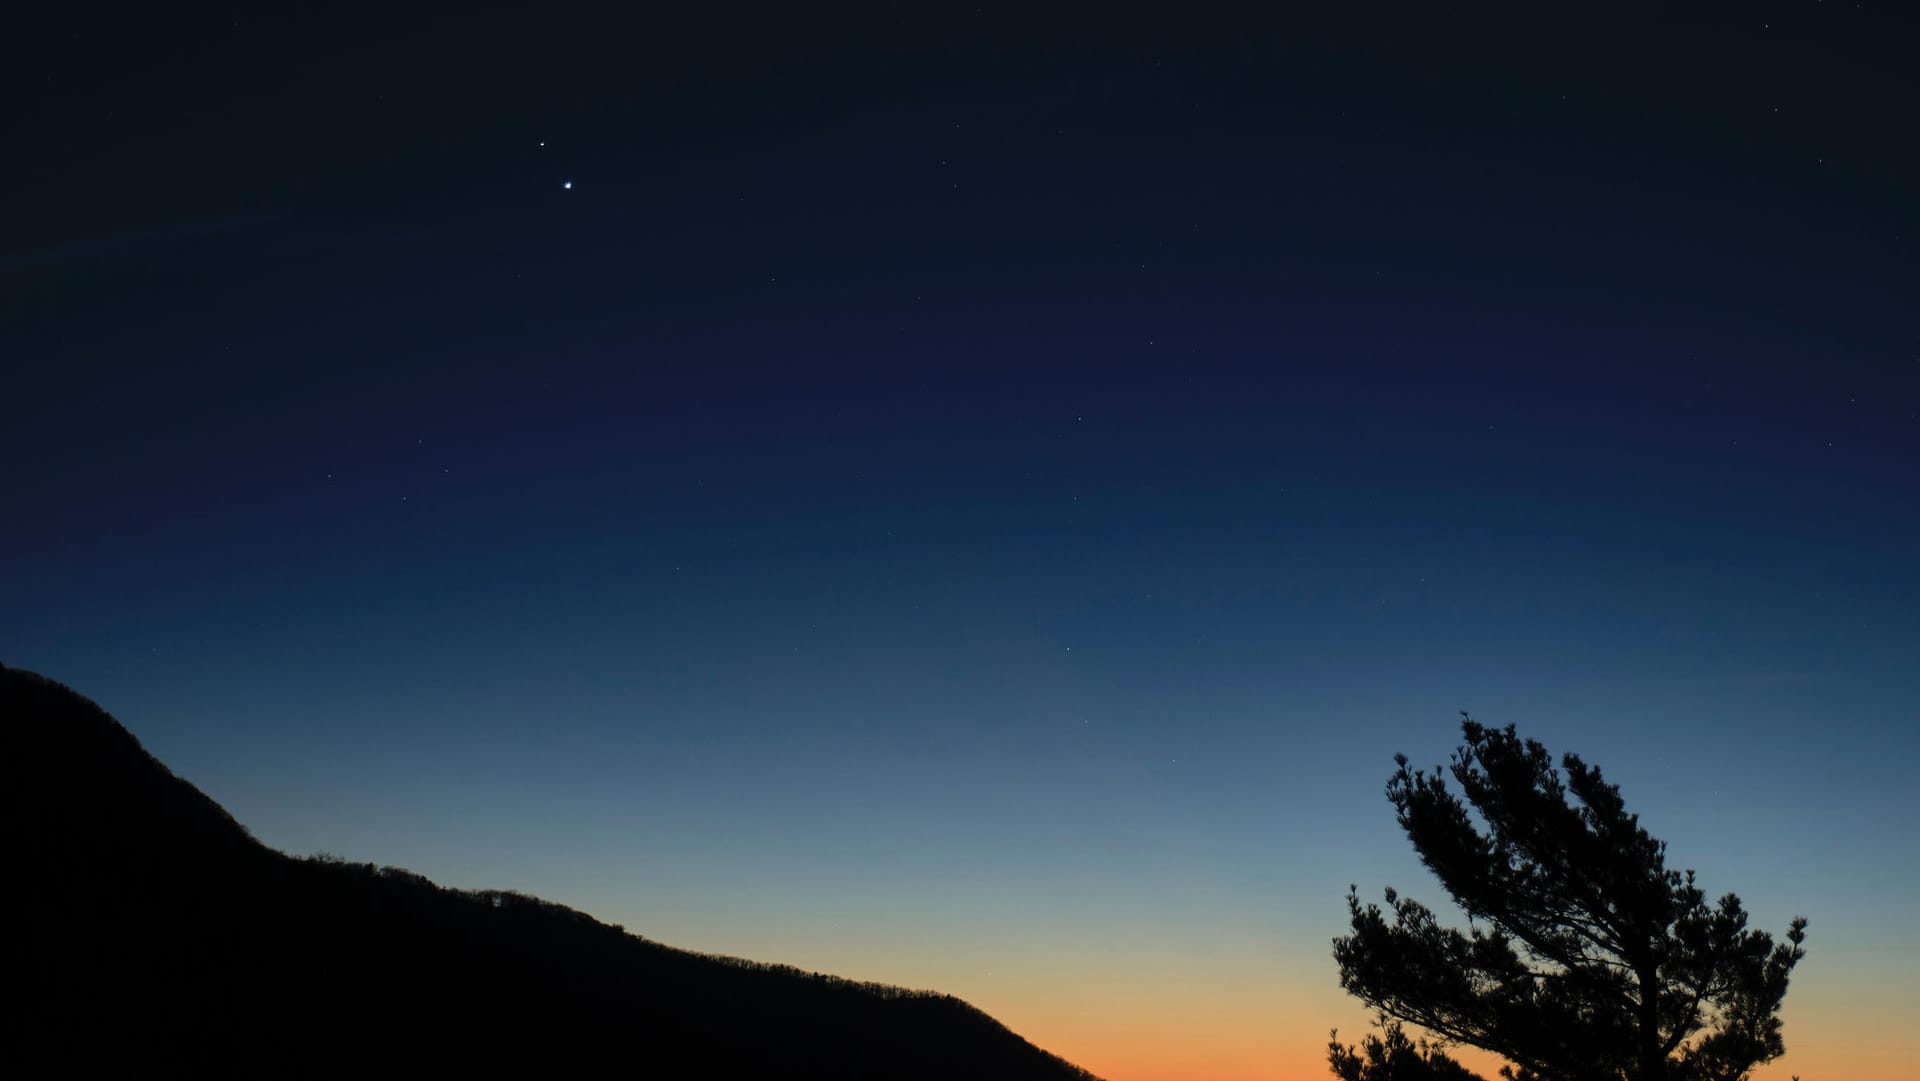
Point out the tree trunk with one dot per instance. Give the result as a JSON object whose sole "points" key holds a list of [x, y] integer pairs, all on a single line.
{"points": [[1653, 1063]]}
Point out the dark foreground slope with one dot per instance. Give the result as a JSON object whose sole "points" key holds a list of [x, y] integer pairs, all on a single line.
{"points": [[151, 934]]}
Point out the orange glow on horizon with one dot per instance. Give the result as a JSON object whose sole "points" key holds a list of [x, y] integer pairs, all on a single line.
{"points": [[1252, 1011], [1236, 1033]]}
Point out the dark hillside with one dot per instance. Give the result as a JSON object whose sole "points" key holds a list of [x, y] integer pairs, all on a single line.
{"points": [[154, 935]]}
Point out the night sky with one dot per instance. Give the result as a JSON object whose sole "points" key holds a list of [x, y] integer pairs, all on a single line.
{"points": [[975, 498]]}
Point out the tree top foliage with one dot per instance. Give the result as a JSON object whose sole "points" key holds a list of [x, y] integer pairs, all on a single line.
{"points": [[1596, 962]]}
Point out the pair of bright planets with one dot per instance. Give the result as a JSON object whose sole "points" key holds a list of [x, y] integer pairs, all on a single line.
{"points": [[565, 185]]}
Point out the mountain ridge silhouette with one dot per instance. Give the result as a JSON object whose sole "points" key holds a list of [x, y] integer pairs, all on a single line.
{"points": [[155, 934]]}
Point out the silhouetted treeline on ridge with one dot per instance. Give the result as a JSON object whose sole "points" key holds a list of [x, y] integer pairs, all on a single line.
{"points": [[155, 937]]}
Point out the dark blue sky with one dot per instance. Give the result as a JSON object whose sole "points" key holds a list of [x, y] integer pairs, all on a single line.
{"points": [[983, 467]]}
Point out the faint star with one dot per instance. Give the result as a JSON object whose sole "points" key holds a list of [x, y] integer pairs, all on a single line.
{"points": [[567, 184]]}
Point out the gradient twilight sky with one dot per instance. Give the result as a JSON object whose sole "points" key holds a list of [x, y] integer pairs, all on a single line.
{"points": [[975, 498]]}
